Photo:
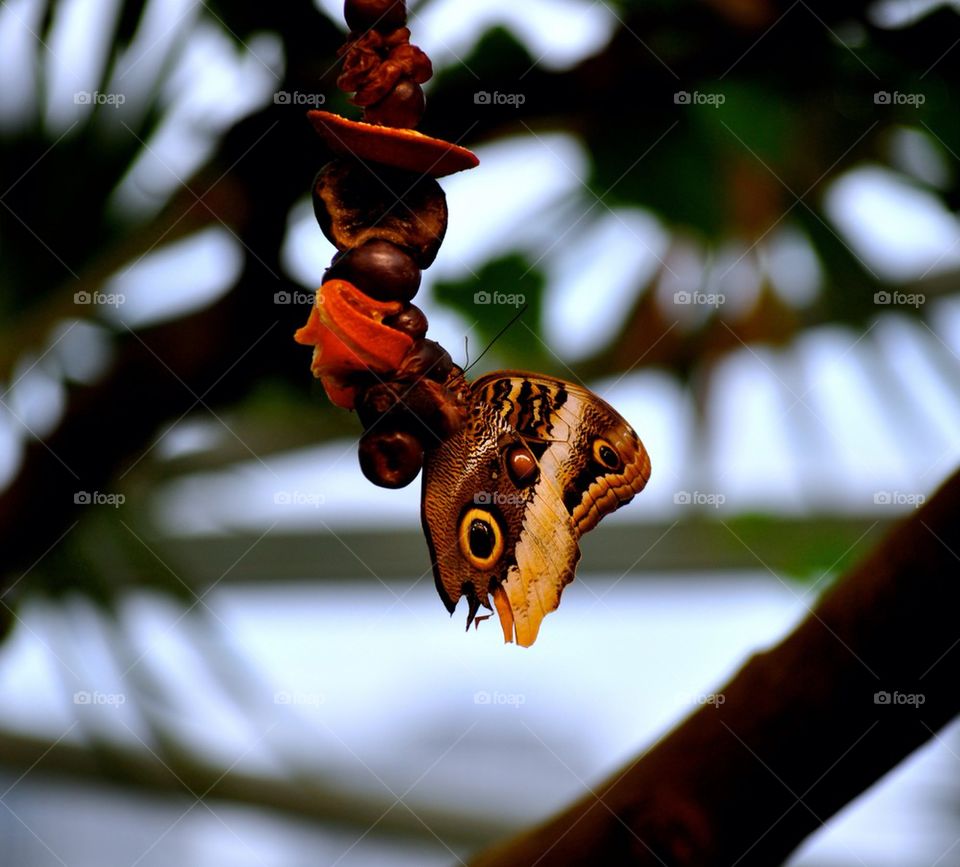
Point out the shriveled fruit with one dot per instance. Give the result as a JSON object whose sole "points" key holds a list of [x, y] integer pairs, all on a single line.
{"points": [[355, 202]]}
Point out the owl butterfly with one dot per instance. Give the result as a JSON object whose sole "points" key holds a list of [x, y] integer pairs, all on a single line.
{"points": [[537, 463]]}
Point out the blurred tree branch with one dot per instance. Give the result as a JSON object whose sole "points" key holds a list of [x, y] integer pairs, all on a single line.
{"points": [[324, 798]]}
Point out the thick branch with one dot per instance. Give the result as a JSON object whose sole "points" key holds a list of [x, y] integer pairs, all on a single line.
{"points": [[800, 732]]}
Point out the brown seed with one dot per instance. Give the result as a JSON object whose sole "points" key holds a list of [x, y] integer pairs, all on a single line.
{"points": [[390, 458], [355, 202], [378, 269], [411, 321], [403, 107], [383, 15]]}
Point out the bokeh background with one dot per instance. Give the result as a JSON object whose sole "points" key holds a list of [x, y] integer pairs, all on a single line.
{"points": [[737, 222]]}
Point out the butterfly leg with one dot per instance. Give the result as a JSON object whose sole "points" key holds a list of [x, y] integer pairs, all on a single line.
{"points": [[474, 602]]}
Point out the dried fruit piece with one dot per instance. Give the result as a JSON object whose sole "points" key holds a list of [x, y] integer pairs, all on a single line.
{"points": [[378, 269], [401, 148], [390, 458], [346, 328], [355, 202], [373, 63]]}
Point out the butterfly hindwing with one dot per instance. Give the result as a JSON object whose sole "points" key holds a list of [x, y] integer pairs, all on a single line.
{"points": [[538, 463]]}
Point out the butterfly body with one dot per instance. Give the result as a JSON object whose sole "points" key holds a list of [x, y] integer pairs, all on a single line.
{"points": [[537, 463]]}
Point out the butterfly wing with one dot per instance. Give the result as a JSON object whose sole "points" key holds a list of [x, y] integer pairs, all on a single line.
{"points": [[539, 462]]}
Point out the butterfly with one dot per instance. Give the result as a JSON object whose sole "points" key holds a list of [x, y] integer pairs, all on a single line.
{"points": [[537, 463]]}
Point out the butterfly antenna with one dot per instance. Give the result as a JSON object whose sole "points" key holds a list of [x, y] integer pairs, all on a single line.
{"points": [[498, 335]]}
